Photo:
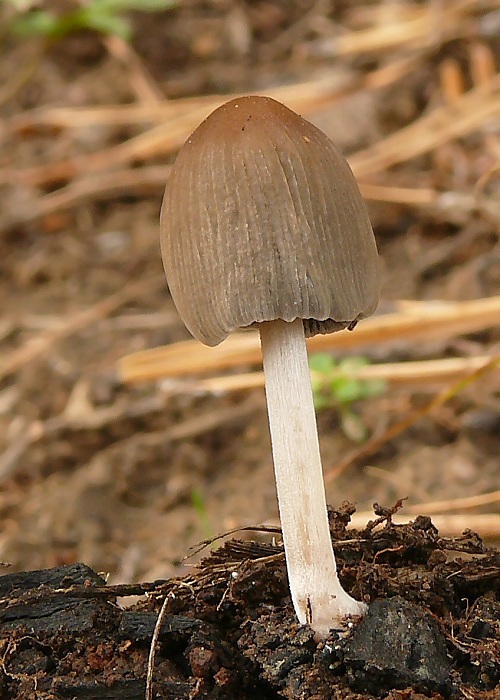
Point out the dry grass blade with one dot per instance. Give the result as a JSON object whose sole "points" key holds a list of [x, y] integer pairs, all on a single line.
{"points": [[143, 84], [168, 135], [109, 115], [420, 196], [487, 525], [455, 504], [464, 116], [159, 140], [467, 113], [428, 25], [397, 373], [97, 187], [481, 185], [308, 95], [415, 320]]}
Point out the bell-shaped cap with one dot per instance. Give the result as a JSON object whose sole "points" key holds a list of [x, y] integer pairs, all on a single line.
{"points": [[262, 220]]}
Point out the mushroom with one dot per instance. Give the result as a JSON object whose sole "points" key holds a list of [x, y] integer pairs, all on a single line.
{"points": [[263, 224]]}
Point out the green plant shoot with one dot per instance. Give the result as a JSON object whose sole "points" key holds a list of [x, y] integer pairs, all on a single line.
{"points": [[336, 386], [198, 503], [104, 16]]}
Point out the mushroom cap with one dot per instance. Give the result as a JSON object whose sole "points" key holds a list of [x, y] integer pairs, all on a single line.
{"points": [[262, 219]]}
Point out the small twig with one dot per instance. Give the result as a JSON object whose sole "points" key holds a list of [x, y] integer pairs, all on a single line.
{"points": [[295, 33], [203, 544], [417, 196], [158, 140], [429, 25], [123, 322], [481, 184], [142, 83], [152, 649], [301, 96]]}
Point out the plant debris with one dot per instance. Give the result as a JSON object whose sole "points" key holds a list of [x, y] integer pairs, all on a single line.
{"points": [[228, 629]]}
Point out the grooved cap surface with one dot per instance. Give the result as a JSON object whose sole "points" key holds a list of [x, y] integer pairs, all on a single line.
{"points": [[262, 219]]}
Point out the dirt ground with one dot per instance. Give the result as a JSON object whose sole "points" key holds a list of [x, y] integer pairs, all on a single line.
{"points": [[126, 477]]}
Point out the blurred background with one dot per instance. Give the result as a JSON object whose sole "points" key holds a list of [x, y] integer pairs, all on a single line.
{"points": [[126, 463]]}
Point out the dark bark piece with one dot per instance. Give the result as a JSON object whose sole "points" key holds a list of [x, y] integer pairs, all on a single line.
{"points": [[139, 626], [398, 645], [58, 577], [56, 616], [37, 601]]}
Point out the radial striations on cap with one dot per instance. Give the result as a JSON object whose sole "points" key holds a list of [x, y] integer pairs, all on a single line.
{"points": [[262, 219]]}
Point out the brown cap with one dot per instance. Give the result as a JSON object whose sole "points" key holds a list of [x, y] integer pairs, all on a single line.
{"points": [[262, 219]]}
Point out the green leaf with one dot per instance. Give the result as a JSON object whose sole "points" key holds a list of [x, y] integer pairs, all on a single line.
{"points": [[106, 23], [350, 364], [334, 387], [321, 362], [374, 387], [36, 23], [347, 390], [141, 5], [103, 16]]}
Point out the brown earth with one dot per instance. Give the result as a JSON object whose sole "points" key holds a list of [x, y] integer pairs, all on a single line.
{"points": [[229, 631]]}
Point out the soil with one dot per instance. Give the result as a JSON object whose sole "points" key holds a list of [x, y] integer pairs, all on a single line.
{"points": [[229, 630], [126, 478]]}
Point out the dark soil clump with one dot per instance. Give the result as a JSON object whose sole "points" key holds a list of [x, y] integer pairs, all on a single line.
{"points": [[229, 630]]}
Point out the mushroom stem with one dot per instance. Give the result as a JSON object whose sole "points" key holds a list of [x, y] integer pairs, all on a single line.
{"points": [[318, 598]]}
